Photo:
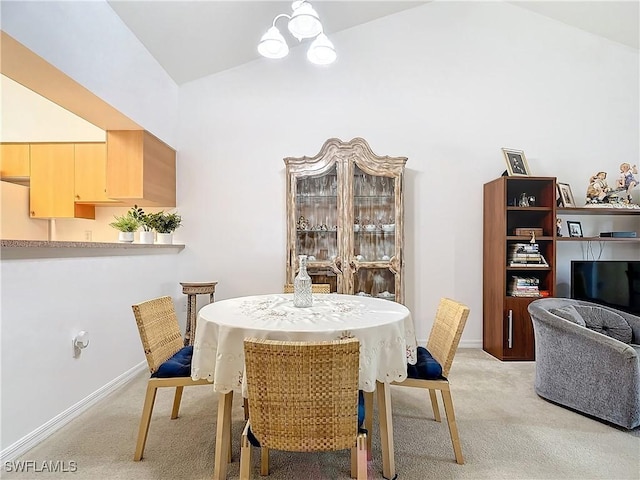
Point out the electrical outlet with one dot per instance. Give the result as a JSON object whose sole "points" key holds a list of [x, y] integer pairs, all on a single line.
{"points": [[87, 235]]}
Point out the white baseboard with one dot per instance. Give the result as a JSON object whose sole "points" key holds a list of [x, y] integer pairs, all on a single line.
{"points": [[32, 439]]}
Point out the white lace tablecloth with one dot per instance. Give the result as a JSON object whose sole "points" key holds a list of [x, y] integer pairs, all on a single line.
{"points": [[384, 328]]}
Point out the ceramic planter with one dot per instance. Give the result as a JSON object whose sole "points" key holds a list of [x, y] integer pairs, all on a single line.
{"points": [[125, 237], [164, 238], [147, 237]]}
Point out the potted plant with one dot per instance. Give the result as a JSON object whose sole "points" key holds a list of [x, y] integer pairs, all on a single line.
{"points": [[127, 225], [164, 224], [146, 235]]}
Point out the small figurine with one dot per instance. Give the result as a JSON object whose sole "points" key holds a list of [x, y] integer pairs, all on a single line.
{"points": [[558, 227], [626, 180], [303, 223], [598, 188]]}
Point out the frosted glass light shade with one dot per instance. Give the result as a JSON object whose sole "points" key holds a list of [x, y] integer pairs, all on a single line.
{"points": [[304, 22], [273, 45], [321, 51]]}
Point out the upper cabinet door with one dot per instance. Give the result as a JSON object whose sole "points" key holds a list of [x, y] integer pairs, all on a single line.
{"points": [[52, 183], [345, 212], [91, 173]]}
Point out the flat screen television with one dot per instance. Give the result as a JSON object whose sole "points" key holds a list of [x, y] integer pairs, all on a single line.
{"points": [[614, 283]]}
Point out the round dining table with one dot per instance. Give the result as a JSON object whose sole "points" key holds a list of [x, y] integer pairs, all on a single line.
{"points": [[383, 327]]}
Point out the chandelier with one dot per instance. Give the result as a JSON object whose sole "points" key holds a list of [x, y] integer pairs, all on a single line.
{"points": [[303, 23]]}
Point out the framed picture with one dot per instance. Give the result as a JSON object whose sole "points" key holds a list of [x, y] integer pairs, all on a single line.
{"points": [[516, 162], [566, 197], [575, 229]]}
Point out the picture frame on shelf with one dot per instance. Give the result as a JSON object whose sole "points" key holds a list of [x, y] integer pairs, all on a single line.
{"points": [[575, 229], [516, 163], [565, 195]]}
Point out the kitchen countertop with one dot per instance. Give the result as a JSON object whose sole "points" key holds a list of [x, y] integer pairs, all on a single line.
{"points": [[25, 249]]}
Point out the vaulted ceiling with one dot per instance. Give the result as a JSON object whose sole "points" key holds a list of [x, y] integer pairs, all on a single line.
{"points": [[193, 39]]}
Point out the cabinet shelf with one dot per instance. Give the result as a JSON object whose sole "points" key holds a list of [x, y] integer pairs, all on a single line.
{"points": [[382, 197], [531, 268], [529, 209], [598, 239], [303, 196], [522, 238], [597, 211]]}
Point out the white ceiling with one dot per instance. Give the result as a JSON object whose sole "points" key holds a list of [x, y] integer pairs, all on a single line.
{"points": [[195, 38]]}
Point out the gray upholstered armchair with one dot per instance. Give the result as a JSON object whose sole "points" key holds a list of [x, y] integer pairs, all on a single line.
{"points": [[588, 358]]}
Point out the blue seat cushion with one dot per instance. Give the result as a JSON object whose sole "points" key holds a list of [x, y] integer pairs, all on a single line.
{"points": [[177, 366], [254, 441], [360, 409], [426, 368]]}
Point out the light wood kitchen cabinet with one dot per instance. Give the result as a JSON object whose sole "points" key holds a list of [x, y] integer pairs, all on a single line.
{"points": [[141, 169], [52, 180], [14, 160], [91, 174], [345, 211]]}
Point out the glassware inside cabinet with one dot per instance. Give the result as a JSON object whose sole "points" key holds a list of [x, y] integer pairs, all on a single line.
{"points": [[317, 216], [374, 216], [375, 282]]}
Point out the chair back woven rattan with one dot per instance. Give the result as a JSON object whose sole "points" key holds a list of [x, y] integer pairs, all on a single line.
{"points": [[159, 330], [451, 318], [315, 288], [303, 397]]}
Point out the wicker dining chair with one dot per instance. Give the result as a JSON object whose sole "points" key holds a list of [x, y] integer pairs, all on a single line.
{"points": [[303, 397], [315, 288], [169, 361], [434, 363]]}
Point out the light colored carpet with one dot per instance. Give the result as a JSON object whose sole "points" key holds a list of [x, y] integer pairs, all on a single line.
{"points": [[506, 431]]}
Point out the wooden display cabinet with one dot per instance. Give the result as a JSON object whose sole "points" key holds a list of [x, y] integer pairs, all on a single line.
{"points": [[345, 211], [507, 327]]}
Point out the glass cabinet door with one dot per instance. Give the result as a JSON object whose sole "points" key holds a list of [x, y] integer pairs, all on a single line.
{"points": [[374, 235], [316, 233]]}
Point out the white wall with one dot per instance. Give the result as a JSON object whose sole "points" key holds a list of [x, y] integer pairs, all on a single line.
{"points": [[15, 223], [46, 301], [445, 84]]}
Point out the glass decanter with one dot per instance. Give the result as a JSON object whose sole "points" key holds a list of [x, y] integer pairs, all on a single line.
{"points": [[302, 285]]}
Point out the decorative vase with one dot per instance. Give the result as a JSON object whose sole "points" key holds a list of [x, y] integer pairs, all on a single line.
{"points": [[302, 285], [125, 237], [164, 238], [146, 237]]}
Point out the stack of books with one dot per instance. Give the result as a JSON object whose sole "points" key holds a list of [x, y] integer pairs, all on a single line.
{"points": [[523, 287], [526, 255]]}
